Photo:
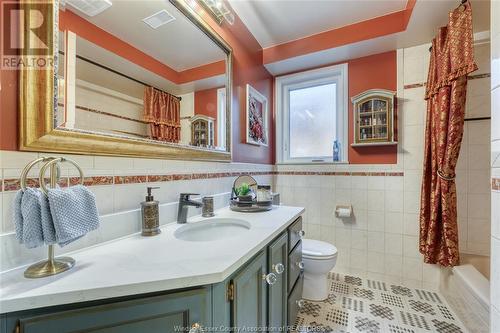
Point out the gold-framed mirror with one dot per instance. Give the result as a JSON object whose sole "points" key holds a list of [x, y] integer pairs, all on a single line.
{"points": [[128, 78]]}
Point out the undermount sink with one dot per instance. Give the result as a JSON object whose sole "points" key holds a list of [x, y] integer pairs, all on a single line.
{"points": [[212, 229]]}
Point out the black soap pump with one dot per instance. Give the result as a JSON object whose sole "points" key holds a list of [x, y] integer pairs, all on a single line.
{"points": [[150, 215]]}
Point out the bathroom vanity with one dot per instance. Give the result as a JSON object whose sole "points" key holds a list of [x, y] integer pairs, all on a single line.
{"points": [[176, 281]]}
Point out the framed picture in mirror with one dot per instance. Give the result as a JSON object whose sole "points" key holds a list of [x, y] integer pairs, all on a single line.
{"points": [[256, 117]]}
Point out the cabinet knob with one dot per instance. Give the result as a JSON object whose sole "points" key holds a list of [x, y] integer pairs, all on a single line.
{"points": [[270, 278], [279, 268], [300, 264], [301, 233], [300, 303], [195, 328]]}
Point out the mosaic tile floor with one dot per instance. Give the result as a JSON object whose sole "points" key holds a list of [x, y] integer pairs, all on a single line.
{"points": [[363, 305]]}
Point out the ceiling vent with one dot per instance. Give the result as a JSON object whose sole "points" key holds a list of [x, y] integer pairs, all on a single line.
{"points": [[158, 19], [90, 7]]}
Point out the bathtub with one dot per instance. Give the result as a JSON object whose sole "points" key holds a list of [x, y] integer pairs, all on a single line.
{"points": [[467, 290]]}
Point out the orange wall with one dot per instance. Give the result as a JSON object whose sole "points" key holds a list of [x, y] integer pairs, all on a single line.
{"points": [[8, 109], [8, 104], [247, 68], [375, 71], [205, 103], [370, 72]]}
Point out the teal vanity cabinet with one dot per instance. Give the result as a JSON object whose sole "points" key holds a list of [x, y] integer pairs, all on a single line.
{"points": [[277, 292], [282, 276], [156, 314], [264, 291], [295, 270], [249, 294]]}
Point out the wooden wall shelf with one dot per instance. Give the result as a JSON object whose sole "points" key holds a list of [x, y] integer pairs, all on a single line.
{"points": [[374, 118]]}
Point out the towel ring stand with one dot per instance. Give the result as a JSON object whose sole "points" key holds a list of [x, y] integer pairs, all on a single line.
{"points": [[52, 162], [52, 265], [29, 166]]}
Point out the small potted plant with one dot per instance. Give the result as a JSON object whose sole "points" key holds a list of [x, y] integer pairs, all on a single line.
{"points": [[244, 193]]}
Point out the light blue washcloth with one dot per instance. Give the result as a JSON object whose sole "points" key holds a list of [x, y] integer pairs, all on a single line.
{"points": [[28, 218], [18, 216], [49, 232], [74, 213]]}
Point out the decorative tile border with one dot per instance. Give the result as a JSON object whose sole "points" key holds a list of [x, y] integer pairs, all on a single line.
{"points": [[12, 184], [495, 184], [131, 179], [15, 184], [470, 77]]}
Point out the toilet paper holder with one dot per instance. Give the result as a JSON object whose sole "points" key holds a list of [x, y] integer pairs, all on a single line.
{"points": [[343, 211]]}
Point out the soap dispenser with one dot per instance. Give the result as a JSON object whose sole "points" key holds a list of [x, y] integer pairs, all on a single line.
{"points": [[150, 215]]}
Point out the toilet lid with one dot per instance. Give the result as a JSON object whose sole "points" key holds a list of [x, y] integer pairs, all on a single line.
{"points": [[312, 248]]}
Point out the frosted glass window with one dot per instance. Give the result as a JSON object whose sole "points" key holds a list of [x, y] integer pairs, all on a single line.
{"points": [[313, 121], [311, 114]]}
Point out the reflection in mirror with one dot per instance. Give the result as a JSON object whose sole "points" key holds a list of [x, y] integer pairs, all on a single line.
{"points": [[141, 70]]}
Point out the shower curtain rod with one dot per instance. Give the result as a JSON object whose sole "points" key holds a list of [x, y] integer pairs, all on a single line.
{"points": [[119, 73]]}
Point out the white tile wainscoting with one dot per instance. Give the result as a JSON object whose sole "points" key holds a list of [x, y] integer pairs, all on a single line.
{"points": [[119, 202], [380, 240]]}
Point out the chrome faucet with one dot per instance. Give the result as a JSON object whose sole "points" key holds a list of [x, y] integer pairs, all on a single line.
{"points": [[184, 203]]}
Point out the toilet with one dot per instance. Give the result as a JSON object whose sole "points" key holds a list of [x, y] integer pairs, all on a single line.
{"points": [[318, 258]]}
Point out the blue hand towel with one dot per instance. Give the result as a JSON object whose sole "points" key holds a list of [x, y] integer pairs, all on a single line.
{"points": [[31, 219], [74, 213], [18, 216], [49, 232], [32, 233]]}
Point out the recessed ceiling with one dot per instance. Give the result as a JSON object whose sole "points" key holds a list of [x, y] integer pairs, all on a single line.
{"points": [[179, 44], [289, 30], [275, 22], [102, 77]]}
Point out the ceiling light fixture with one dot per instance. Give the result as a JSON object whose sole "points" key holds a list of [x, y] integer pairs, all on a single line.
{"points": [[158, 19], [219, 10]]}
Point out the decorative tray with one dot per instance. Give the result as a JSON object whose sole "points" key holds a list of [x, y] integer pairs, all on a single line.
{"points": [[250, 206]]}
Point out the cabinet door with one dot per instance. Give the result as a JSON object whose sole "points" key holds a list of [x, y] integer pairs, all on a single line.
{"points": [[277, 300], [165, 314], [249, 306], [295, 265]]}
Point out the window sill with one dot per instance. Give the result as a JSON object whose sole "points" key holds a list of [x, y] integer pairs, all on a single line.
{"points": [[312, 163]]}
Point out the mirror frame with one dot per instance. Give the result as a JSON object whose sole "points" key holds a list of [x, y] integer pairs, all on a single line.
{"points": [[37, 98]]}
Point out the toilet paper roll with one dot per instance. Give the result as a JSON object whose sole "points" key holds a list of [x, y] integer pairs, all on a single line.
{"points": [[344, 211]]}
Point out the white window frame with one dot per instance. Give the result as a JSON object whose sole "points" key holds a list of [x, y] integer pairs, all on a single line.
{"points": [[333, 74], [221, 118]]}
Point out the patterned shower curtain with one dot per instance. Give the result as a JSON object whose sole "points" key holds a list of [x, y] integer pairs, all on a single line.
{"points": [[452, 59], [162, 112]]}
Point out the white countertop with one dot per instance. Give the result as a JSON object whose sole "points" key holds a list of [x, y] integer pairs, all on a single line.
{"points": [[136, 264]]}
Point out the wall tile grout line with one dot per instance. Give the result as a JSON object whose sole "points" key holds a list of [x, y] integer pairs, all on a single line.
{"points": [[470, 77]]}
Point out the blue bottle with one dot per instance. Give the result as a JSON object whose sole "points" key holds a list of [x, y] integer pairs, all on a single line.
{"points": [[336, 151]]}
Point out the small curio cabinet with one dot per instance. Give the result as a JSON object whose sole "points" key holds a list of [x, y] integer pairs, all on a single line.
{"points": [[202, 131], [374, 118]]}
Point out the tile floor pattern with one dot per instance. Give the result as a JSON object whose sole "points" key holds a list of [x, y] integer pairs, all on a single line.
{"points": [[367, 306]]}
